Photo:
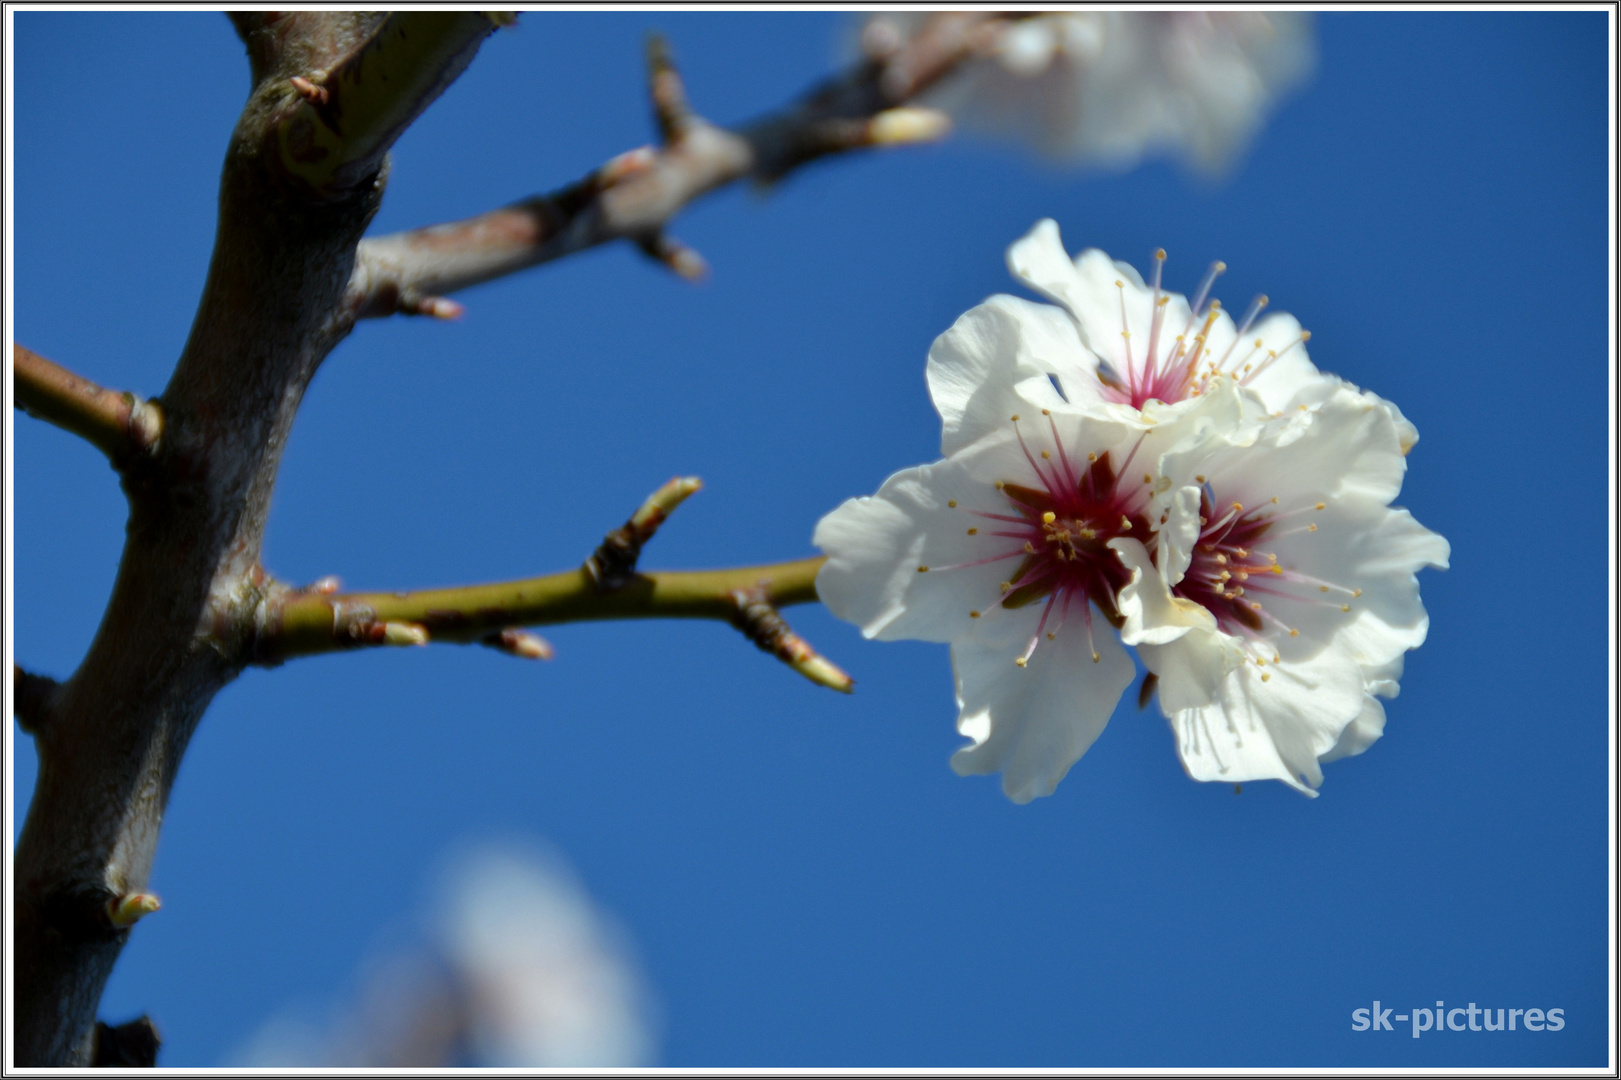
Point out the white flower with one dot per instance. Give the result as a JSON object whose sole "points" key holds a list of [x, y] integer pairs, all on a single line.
{"points": [[1002, 548], [1280, 595], [1145, 343], [1196, 483], [1112, 87]]}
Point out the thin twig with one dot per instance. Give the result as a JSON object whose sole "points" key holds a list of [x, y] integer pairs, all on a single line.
{"points": [[120, 425], [304, 623], [636, 195], [613, 564]]}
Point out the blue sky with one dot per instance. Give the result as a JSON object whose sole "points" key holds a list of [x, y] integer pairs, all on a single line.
{"points": [[806, 880]]}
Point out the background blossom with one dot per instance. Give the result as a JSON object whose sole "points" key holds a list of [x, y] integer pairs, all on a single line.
{"points": [[1112, 87]]}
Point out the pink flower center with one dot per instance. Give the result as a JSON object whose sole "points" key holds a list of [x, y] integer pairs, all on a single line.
{"points": [[1177, 363], [1230, 577], [1063, 525]]}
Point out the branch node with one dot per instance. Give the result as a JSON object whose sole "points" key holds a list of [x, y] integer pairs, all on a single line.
{"points": [[683, 260], [671, 110], [128, 1046], [403, 633], [760, 622], [622, 167], [125, 911], [309, 91], [32, 697], [325, 586], [521, 643], [613, 564], [907, 125], [435, 307]]}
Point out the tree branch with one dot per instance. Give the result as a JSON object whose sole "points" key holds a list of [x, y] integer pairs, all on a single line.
{"points": [[304, 622], [342, 121], [31, 698], [636, 194], [120, 425]]}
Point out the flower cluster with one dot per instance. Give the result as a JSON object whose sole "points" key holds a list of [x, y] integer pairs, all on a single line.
{"points": [[1110, 87], [1131, 467]]}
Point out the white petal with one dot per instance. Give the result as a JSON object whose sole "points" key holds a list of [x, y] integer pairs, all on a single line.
{"points": [[994, 360], [875, 546], [1272, 728], [1277, 380], [1032, 723], [1039, 260], [1360, 733], [1153, 616], [1374, 552]]}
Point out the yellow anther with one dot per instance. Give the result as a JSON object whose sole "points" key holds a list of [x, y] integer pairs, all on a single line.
{"points": [[1125, 522], [1015, 418], [1266, 676], [923, 569], [1356, 592], [952, 503], [1096, 658], [1147, 478], [1048, 517], [1045, 456], [1160, 254], [1199, 479], [973, 532], [1046, 412], [1091, 457], [973, 614], [1345, 607], [1051, 636], [1020, 662], [1320, 506], [1006, 585], [1238, 507], [1257, 343], [1276, 569], [1311, 528], [1120, 284], [1221, 559], [1294, 633], [999, 485], [1256, 604], [1164, 300], [1274, 500], [1029, 548], [1305, 335], [1322, 588]]}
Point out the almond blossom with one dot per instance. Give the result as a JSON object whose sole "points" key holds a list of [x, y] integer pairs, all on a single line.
{"points": [[1003, 548], [1138, 459], [1279, 596], [1112, 87]]}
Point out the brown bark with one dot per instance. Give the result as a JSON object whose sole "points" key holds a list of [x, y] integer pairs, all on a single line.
{"points": [[170, 638]]}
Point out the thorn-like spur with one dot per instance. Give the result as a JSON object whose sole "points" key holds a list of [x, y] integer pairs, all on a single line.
{"points": [[759, 621], [613, 564], [664, 248], [671, 111], [521, 643]]}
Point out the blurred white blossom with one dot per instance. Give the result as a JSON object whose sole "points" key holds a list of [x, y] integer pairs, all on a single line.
{"points": [[519, 969], [1112, 87]]}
